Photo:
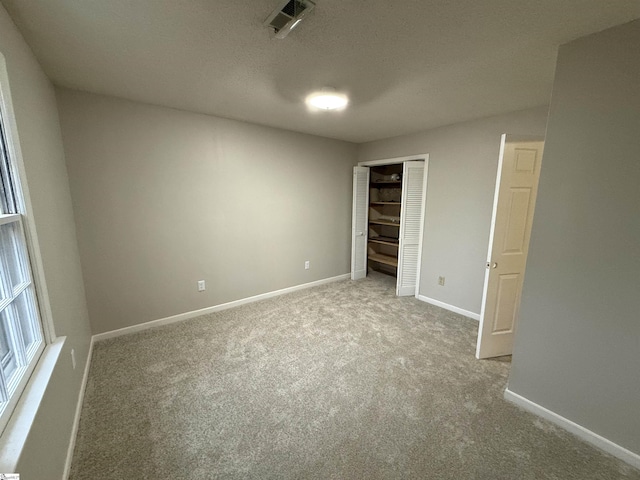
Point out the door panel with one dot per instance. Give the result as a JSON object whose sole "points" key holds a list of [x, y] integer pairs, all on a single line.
{"points": [[515, 233], [514, 202], [359, 222], [409, 278], [506, 308], [411, 224]]}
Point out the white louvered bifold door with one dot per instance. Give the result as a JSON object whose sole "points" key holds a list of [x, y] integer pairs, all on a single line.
{"points": [[359, 225], [410, 227]]}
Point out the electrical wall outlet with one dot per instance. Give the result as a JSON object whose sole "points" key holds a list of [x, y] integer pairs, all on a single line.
{"points": [[73, 358], [201, 286], [307, 265], [441, 281]]}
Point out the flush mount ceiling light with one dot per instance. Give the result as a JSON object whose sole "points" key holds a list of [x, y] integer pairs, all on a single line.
{"points": [[327, 99]]}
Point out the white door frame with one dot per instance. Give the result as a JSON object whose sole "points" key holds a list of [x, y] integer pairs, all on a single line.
{"points": [[388, 161], [418, 157]]}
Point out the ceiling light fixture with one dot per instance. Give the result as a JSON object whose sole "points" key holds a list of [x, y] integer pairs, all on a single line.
{"points": [[327, 99]]}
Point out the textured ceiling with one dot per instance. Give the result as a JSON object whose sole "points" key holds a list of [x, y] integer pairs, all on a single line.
{"points": [[408, 65]]}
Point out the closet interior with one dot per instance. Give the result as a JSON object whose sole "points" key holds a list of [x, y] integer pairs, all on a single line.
{"points": [[385, 204]]}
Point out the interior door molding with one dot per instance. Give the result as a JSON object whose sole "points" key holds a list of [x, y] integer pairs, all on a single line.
{"points": [[388, 161]]}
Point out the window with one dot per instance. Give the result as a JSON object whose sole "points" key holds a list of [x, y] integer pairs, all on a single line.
{"points": [[21, 334]]}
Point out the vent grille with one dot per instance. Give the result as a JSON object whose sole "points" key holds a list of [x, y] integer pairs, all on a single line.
{"points": [[294, 8], [280, 21], [283, 19]]}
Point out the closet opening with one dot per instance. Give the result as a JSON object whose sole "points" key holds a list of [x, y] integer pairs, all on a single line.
{"points": [[385, 199], [388, 219]]}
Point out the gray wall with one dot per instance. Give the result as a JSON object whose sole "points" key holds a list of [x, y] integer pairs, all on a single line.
{"points": [[577, 350], [164, 198], [463, 161], [34, 104]]}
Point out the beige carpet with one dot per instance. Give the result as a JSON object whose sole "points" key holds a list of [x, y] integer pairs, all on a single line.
{"points": [[341, 381]]}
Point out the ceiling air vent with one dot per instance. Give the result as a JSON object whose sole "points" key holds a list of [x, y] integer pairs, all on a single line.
{"points": [[284, 19]]}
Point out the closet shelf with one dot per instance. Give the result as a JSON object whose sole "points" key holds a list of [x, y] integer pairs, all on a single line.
{"points": [[382, 222], [390, 182], [385, 259], [385, 240], [385, 203]]}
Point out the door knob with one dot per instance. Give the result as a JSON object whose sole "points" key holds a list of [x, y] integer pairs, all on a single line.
{"points": [[359, 234], [490, 265]]}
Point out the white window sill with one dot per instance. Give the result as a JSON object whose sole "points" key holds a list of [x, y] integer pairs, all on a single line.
{"points": [[15, 435]]}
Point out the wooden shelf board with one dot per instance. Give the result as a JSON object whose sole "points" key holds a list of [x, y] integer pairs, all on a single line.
{"points": [[386, 259], [385, 203], [386, 183], [382, 222], [385, 240]]}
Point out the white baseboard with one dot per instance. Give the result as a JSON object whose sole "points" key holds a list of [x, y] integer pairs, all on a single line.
{"points": [[446, 306], [216, 308], [581, 432], [76, 418]]}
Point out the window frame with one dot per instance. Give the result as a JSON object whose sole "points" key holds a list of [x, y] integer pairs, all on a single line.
{"points": [[26, 225], [25, 357]]}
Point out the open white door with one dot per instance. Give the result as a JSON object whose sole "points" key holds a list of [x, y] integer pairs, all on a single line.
{"points": [[411, 224], [359, 225], [514, 202]]}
